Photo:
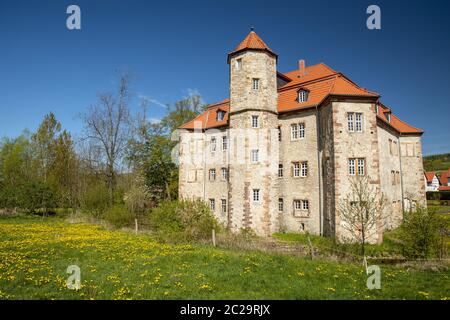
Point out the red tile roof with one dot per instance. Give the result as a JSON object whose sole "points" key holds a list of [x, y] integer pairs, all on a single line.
{"points": [[430, 176], [444, 188], [253, 42], [320, 80], [444, 177]]}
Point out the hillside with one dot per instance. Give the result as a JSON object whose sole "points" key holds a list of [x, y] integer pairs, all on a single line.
{"points": [[437, 162]]}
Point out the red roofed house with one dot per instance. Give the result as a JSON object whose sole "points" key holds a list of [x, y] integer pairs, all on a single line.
{"points": [[432, 181], [445, 181], [280, 152]]}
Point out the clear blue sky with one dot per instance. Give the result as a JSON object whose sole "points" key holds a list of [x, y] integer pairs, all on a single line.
{"points": [[172, 47]]}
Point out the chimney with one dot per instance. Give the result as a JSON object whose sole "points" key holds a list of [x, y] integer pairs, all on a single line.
{"points": [[301, 68]]}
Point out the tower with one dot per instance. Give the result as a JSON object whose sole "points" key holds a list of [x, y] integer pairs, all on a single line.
{"points": [[253, 160]]}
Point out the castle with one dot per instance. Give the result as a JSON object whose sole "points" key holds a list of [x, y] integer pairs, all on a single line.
{"points": [[280, 152]]}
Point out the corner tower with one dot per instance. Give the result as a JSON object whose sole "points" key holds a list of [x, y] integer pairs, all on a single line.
{"points": [[253, 162]]}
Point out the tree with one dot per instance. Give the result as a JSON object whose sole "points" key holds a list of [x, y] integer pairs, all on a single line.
{"points": [[107, 126], [362, 212]]}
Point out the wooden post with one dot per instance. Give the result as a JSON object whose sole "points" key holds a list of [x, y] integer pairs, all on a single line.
{"points": [[311, 248], [135, 226], [214, 237]]}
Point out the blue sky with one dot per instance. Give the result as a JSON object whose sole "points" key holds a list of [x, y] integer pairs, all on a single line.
{"points": [[171, 48]]}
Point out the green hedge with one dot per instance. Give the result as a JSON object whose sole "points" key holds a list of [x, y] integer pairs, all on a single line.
{"points": [[438, 195]]}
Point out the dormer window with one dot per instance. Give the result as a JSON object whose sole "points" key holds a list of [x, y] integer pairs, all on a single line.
{"points": [[220, 115], [388, 117], [302, 96]]}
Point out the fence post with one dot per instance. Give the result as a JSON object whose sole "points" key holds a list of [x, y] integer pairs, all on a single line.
{"points": [[135, 226], [311, 248], [214, 237]]}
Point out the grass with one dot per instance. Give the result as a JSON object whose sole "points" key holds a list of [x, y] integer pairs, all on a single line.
{"points": [[35, 254], [437, 205]]}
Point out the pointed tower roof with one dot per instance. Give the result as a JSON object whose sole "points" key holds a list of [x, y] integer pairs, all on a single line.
{"points": [[252, 42]]}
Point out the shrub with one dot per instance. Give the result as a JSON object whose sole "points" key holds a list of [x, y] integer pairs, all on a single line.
{"points": [[182, 221], [95, 200], [38, 195], [119, 216], [422, 232]]}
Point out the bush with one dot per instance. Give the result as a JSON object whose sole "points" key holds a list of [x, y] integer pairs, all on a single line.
{"points": [[38, 196], [182, 221], [95, 200], [119, 216], [422, 234]]}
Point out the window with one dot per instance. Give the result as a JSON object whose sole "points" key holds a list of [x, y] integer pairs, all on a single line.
{"points": [[294, 132], [302, 96], [255, 155], [355, 121], [305, 205], [388, 117], [376, 109], [296, 169], [220, 115], [393, 177], [358, 122], [351, 127], [213, 144], [224, 174], [224, 206], [356, 166], [212, 204], [255, 84], [301, 130], [279, 133], [280, 204], [304, 171], [297, 204], [255, 121], [397, 177], [255, 195], [395, 148], [224, 143], [280, 170], [351, 167], [390, 147], [212, 174], [297, 131], [361, 167], [238, 64]]}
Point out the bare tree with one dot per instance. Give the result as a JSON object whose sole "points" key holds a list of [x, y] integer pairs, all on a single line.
{"points": [[362, 212], [107, 126]]}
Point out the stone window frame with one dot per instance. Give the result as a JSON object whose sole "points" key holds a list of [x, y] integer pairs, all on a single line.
{"points": [[238, 64], [352, 122], [255, 84], [356, 166], [280, 170], [224, 174], [212, 174], [212, 204], [256, 195], [280, 204], [224, 143], [299, 205], [304, 168], [223, 206], [255, 121], [254, 156], [213, 144], [298, 131]]}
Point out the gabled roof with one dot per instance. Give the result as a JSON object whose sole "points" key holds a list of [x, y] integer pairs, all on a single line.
{"points": [[429, 176], [207, 119], [252, 42]]}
